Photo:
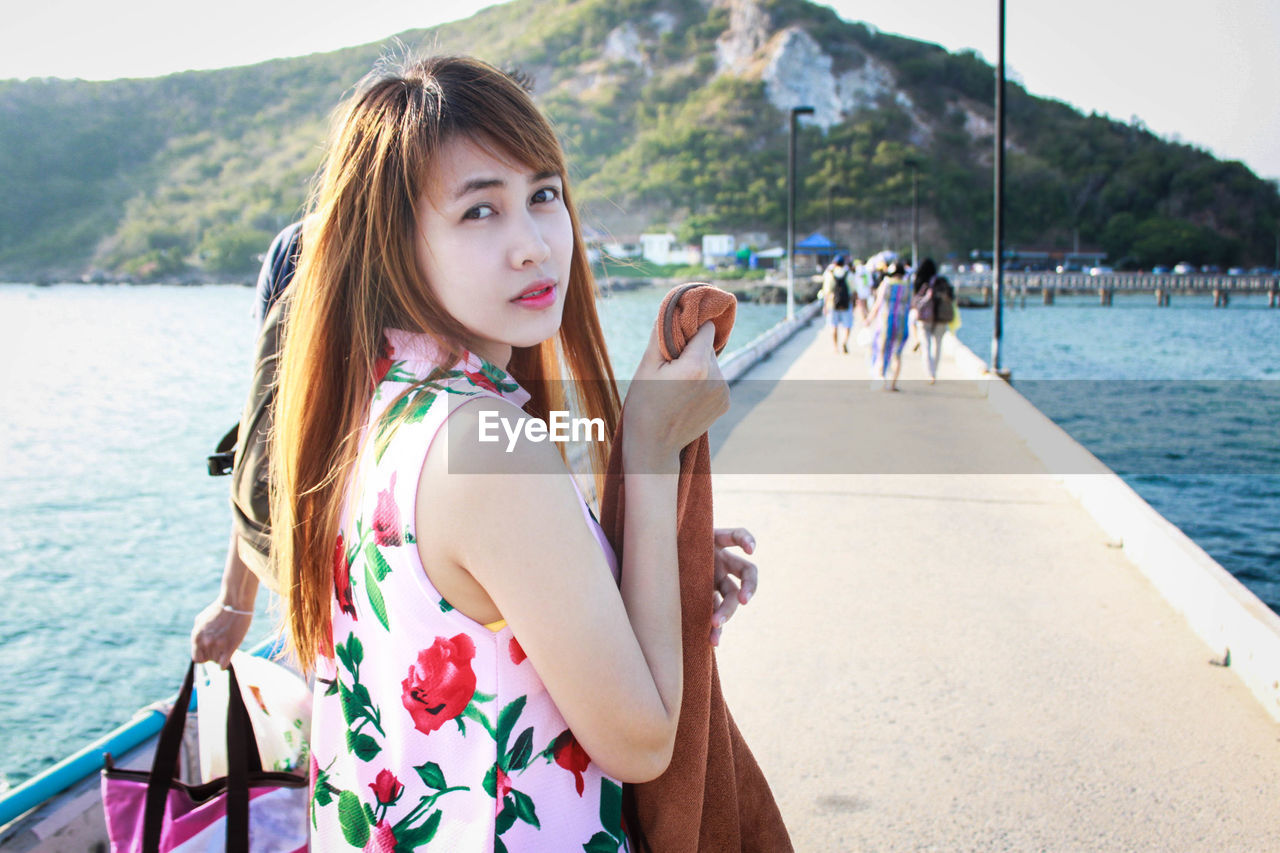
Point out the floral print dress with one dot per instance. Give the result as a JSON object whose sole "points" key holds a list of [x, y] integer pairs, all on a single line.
{"points": [[431, 731], [890, 330]]}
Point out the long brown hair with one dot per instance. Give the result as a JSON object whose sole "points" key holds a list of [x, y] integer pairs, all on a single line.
{"points": [[359, 275]]}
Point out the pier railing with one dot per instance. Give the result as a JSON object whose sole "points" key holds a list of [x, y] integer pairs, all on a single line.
{"points": [[977, 286]]}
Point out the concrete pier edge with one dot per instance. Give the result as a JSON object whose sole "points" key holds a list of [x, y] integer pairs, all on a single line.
{"points": [[759, 348], [1240, 629]]}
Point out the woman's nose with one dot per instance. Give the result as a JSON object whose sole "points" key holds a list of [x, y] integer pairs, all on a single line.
{"points": [[529, 247]]}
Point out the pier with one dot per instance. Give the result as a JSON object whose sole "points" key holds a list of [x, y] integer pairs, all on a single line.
{"points": [[950, 651]]}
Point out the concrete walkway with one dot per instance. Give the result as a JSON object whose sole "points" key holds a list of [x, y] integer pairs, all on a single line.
{"points": [[961, 661]]}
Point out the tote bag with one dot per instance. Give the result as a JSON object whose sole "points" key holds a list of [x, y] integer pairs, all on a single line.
{"points": [[246, 811], [279, 705]]}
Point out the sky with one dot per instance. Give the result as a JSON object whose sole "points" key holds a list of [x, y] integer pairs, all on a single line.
{"points": [[1205, 72]]}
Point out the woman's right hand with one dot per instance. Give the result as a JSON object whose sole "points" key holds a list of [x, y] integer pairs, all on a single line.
{"points": [[671, 403]]}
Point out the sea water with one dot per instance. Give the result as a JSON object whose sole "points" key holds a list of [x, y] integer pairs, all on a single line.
{"points": [[1182, 401], [112, 533]]}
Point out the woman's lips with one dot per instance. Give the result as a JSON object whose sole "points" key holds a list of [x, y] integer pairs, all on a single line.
{"points": [[541, 295]]}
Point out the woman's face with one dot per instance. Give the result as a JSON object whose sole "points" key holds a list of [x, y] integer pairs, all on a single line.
{"points": [[495, 242]]}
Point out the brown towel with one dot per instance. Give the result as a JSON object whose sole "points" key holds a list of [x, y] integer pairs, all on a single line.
{"points": [[713, 796]]}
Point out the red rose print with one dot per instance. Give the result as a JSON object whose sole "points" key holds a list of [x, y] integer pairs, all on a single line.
{"points": [[502, 785], [386, 517], [382, 364], [381, 840], [517, 654], [480, 379], [386, 788], [342, 582], [571, 756], [441, 683]]}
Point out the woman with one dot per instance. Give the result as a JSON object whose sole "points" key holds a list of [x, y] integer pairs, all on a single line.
{"points": [[932, 318], [888, 322], [483, 682]]}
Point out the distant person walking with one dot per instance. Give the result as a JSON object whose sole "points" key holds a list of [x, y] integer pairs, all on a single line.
{"points": [[837, 300], [862, 290], [889, 326], [934, 304]]}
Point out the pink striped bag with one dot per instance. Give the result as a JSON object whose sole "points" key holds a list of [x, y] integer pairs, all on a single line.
{"points": [[246, 811]]}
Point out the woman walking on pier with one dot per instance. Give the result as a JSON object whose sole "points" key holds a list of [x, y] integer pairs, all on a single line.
{"points": [[934, 301], [889, 323], [483, 679]]}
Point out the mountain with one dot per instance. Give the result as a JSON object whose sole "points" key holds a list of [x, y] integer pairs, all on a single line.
{"points": [[673, 114]]}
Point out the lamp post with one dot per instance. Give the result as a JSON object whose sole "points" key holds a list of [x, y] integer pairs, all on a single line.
{"points": [[791, 208], [915, 213], [997, 261]]}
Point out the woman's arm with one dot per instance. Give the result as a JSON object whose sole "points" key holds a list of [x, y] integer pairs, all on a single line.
{"points": [[221, 627], [610, 658], [875, 308]]}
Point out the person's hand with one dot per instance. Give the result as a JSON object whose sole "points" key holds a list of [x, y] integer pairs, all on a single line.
{"points": [[670, 403], [217, 634], [729, 565]]}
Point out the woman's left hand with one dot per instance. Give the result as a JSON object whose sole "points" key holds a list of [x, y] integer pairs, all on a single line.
{"points": [[736, 577]]}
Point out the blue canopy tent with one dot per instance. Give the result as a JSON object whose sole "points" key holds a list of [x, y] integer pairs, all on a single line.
{"points": [[819, 246], [816, 244]]}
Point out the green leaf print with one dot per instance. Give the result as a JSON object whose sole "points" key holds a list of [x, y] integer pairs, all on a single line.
{"points": [[483, 697], [387, 426], [350, 654], [491, 781], [351, 816], [471, 712], [506, 817], [415, 836], [506, 721], [381, 568], [498, 846], [375, 596], [601, 842], [497, 376], [364, 746], [521, 752], [431, 775], [524, 808], [352, 709], [445, 606], [422, 400], [611, 808], [410, 407]]}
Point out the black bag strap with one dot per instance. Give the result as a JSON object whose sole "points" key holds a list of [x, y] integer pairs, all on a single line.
{"points": [[240, 746], [242, 759]]}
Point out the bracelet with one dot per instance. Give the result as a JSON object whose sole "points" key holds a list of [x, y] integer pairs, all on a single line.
{"points": [[229, 609]]}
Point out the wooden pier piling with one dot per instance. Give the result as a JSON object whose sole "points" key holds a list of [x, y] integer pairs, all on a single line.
{"points": [[1221, 298], [1104, 296], [1047, 294]]}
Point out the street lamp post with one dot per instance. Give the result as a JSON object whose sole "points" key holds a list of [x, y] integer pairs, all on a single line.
{"points": [[915, 213], [791, 209], [997, 261]]}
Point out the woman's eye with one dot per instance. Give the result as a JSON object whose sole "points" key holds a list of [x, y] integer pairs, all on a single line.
{"points": [[546, 195], [480, 211]]}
